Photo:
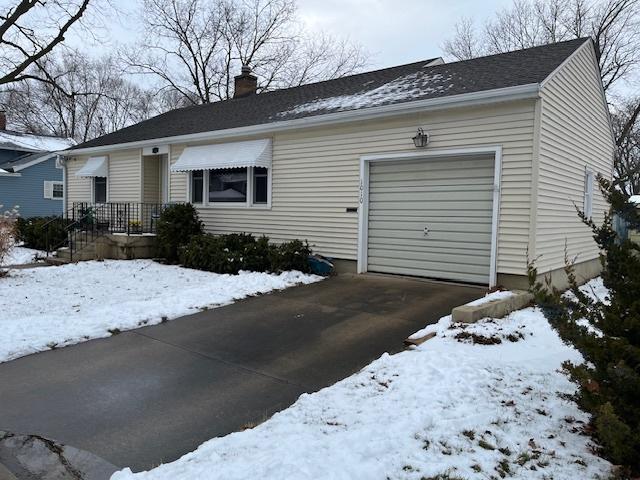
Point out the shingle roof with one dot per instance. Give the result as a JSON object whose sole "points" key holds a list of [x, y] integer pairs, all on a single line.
{"points": [[404, 83]]}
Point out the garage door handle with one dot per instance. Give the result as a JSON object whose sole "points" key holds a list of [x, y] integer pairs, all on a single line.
{"points": [[426, 231]]}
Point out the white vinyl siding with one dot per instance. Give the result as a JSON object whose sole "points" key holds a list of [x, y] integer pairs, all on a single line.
{"points": [[78, 188], [431, 218], [315, 177], [177, 180], [125, 181], [574, 137], [151, 179]]}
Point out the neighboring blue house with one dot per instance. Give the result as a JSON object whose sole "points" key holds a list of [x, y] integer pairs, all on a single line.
{"points": [[29, 175]]}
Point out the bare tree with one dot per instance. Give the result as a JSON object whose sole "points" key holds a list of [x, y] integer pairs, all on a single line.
{"points": [[196, 47], [627, 131], [614, 26], [87, 98], [30, 30]]}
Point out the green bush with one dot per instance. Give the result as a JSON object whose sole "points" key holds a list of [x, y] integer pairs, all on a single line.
{"points": [[240, 251], [609, 379], [176, 225], [33, 232]]}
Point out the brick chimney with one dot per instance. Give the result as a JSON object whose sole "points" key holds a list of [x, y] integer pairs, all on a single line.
{"points": [[245, 83], [3, 120]]}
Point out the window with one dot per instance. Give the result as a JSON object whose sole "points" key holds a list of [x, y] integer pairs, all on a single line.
{"points": [[260, 185], [197, 186], [53, 190], [58, 190], [100, 189], [228, 185], [243, 187], [588, 193]]}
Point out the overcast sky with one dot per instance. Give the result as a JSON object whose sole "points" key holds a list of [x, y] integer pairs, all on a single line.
{"points": [[395, 31], [392, 31]]}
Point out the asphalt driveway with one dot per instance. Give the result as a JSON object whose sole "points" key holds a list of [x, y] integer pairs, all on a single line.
{"points": [[150, 395]]}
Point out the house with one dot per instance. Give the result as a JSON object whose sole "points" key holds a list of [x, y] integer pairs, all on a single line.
{"points": [[457, 171], [29, 175]]}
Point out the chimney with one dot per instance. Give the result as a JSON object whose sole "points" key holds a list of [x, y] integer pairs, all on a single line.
{"points": [[245, 83], [3, 120]]}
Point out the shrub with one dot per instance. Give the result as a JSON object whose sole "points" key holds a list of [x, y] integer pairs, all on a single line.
{"points": [[36, 231], [609, 379], [176, 225], [7, 234], [239, 251]]}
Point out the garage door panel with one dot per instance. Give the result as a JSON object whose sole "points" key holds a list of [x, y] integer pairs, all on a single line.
{"points": [[453, 198], [418, 256], [461, 237], [434, 245], [445, 273], [436, 226], [409, 206], [437, 165], [413, 195]]}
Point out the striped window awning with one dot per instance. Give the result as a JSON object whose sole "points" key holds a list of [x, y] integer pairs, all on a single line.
{"points": [[252, 153], [95, 167]]}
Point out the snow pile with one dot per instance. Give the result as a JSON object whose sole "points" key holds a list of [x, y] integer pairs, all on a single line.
{"points": [[22, 256], [404, 88], [450, 406], [51, 307]]}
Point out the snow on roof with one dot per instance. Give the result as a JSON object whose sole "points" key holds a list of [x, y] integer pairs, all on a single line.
{"points": [[10, 140], [634, 199], [403, 88]]}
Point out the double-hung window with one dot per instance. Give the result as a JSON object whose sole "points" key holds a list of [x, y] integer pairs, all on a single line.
{"points": [[53, 190], [242, 186]]}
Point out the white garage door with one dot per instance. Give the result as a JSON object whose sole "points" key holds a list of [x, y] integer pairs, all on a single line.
{"points": [[431, 218]]}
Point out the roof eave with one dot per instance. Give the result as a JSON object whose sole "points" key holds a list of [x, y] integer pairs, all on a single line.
{"points": [[519, 92]]}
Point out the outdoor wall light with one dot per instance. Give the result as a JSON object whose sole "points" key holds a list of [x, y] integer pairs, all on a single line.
{"points": [[421, 139]]}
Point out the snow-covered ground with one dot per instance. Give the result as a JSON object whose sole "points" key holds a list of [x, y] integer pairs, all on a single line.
{"points": [[22, 256], [476, 402], [43, 308]]}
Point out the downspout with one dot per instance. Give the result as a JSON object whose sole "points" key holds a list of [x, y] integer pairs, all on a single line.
{"points": [[62, 161]]}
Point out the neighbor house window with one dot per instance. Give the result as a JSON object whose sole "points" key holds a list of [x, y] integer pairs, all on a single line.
{"points": [[100, 189], [53, 190], [588, 193], [197, 186], [228, 185], [58, 190]]}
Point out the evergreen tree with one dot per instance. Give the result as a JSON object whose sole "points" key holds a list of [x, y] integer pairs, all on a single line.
{"points": [[609, 340]]}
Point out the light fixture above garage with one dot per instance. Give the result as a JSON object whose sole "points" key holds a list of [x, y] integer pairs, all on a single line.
{"points": [[421, 139]]}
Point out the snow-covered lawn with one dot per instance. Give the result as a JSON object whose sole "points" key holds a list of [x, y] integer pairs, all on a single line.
{"points": [[43, 308], [452, 406], [22, 256]]}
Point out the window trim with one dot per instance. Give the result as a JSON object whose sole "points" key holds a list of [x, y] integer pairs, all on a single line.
{"points": [[248, 204], [93, 190], [48, 186], [589, 187]]}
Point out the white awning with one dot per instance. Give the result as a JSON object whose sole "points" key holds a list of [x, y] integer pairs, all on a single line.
{"points": [[95, 167], [253, 153]]}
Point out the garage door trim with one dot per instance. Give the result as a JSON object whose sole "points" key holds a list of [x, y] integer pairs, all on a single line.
{"points": [[363, 211]]}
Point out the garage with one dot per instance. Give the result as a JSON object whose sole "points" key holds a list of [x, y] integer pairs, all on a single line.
{"points": [[432, 217]]}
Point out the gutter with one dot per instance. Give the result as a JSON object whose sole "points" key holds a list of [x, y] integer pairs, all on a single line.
{"points": [[518, 92]]}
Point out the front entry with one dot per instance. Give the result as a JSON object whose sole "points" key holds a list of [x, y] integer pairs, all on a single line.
{"points": [[154, 179], [432, 218]]}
